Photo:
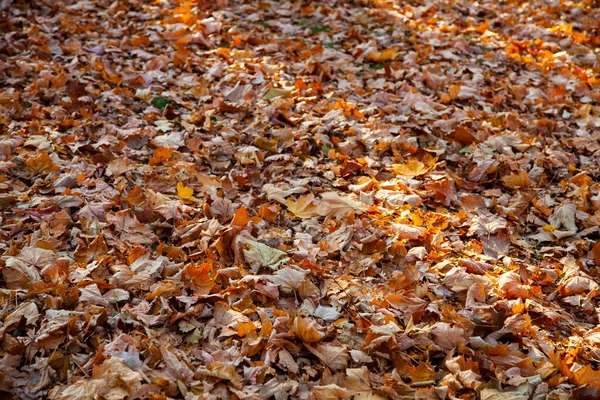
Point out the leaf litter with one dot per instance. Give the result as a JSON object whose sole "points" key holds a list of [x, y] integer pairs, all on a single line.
{"points": [[369, 200]]}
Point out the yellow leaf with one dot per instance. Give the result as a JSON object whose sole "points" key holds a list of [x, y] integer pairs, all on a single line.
{"points": [[412, 168], [183, 191], [303, 207], [586, 376]]}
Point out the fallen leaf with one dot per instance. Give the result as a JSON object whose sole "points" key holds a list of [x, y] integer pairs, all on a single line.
{"points": [[263, 255], [307, 330], [335, 357], [183, 191]]}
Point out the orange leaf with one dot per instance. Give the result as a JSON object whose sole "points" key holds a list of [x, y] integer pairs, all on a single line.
{"points": [[269, 212], [454, 91], [307, 330], [514, 181], [586, 376], [413, 168], [595, 253], [245, 327], [161, 154], [140, 41], [383, 55], [241, 217], [41, 163]]}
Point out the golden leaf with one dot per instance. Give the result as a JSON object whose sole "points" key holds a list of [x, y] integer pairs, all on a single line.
{"points": [[412, 168], [183, 191], [303, 207]]}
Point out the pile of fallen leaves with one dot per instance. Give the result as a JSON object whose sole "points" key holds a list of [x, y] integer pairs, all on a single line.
{"points": [[312, 200]]}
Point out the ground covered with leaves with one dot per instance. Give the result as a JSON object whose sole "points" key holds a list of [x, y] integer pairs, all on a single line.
{"points": [[307, 200]]}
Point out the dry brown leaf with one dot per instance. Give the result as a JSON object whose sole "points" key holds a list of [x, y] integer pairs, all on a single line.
{"points": [[334, 356], [307, 330]]}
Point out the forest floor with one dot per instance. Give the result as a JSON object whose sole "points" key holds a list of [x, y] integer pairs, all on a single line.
{"points": [[308, 200]]}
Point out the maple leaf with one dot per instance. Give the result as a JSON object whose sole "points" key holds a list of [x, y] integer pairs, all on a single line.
{"points": [[263, 255], [448, 336], [113, 379], [161, 155], [357, 379], [517, 181], [225, 371], [332, 204], [23, 269], [307, 330], [303, 207], [412, 168], [564, 216], [329, 392], [129, 228], [334, 356], [41, 162], [287, 279], [28, 310]]}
